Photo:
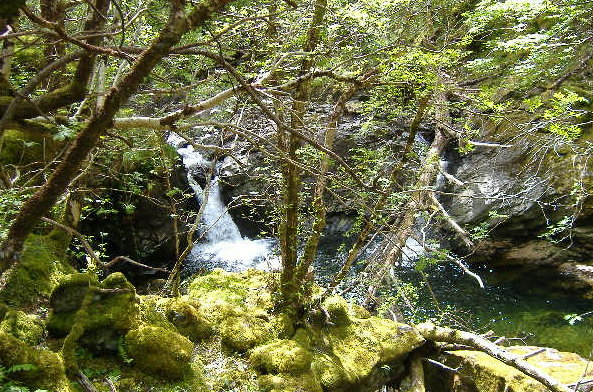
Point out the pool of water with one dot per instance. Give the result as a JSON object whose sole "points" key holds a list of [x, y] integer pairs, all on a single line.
{"points": [[527, 307]]}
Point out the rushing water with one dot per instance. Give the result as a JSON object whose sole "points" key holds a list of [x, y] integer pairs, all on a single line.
{"points": [[221, 245], [528, 307]]}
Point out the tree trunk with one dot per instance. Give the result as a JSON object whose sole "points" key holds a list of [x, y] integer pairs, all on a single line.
{"points": [[41, 202], [391, 247], [290, 285]]}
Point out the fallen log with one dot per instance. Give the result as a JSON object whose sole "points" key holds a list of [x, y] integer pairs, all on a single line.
{"points": [[441, 334]]}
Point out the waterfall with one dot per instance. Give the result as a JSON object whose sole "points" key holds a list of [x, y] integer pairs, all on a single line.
{"points": [[222, 245]]}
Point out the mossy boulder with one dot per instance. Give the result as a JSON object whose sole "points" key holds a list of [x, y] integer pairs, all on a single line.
{"points": [[242, 333], [223, 294], [288, 383], [281, 356], [364, 345], [337, 309], [25, 327], [40, 269], [48, 372], [65, 300], [159, 350], [176, 314], [480, 372], [112, 312], [239, 306], [21, 148], [329, 373], [187, 320], [115, 306]]}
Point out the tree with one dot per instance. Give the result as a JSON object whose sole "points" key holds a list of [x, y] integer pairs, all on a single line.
{"points": [[40, 203]]}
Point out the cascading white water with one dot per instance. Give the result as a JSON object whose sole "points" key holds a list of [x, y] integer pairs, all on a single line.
{"points": [[222, 245]]}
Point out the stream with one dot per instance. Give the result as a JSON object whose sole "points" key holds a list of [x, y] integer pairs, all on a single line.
{"points": [[527, 307]]}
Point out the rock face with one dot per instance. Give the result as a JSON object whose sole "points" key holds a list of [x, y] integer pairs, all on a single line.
{"points": [[250, 179], [530, 190], [478, 372]]}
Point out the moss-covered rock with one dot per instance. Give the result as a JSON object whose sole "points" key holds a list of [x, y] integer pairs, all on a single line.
{"points": [[337, 309], [25, 327], [65, 300], [245, 332], [161, 351], [175, 314], [482, 373], [288, 383], [281, 356], [40, 269], [223, 294], [329, 373], [116, 306], [112, 312], [366, 344], [48, 372], [186, 319]]}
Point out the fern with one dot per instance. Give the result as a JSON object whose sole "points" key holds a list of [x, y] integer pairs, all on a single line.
{"points": [[121, 350], [8, 385]]}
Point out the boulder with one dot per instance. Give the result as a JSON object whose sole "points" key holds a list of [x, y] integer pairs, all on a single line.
{"points": [[479, 372]]}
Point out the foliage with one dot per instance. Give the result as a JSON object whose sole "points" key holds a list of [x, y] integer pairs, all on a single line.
{"points": [[8, 385]]}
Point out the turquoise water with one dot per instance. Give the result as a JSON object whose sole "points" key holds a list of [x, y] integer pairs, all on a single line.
{"points": [[527, 307]]}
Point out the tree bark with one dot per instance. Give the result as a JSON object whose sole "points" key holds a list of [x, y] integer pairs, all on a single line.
{"points": [[290, 286], [391, 248], [41, 202]]}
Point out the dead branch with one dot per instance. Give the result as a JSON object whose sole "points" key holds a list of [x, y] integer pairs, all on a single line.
{"points": [[441, 334], [128, 260]]}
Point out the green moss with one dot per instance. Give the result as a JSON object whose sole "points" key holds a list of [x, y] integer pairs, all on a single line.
{"points": [[287, 383], [65, 300], [49, 370], [112, 311], [175, 314], [338, 310], [187, 320], [223, 294], [158, 350], [329, 373], [490, 375], [22, 148], [245, 332], [365, 345], [152, 311], [38, 272], [281, 356], [116, 310], [26, 327]]}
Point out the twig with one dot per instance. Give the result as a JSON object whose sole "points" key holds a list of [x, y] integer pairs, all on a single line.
{"points": [[92, 253], [85, 383], [76, 234], [441, 365], [127, 259], [534, 353], [112, 387]]}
